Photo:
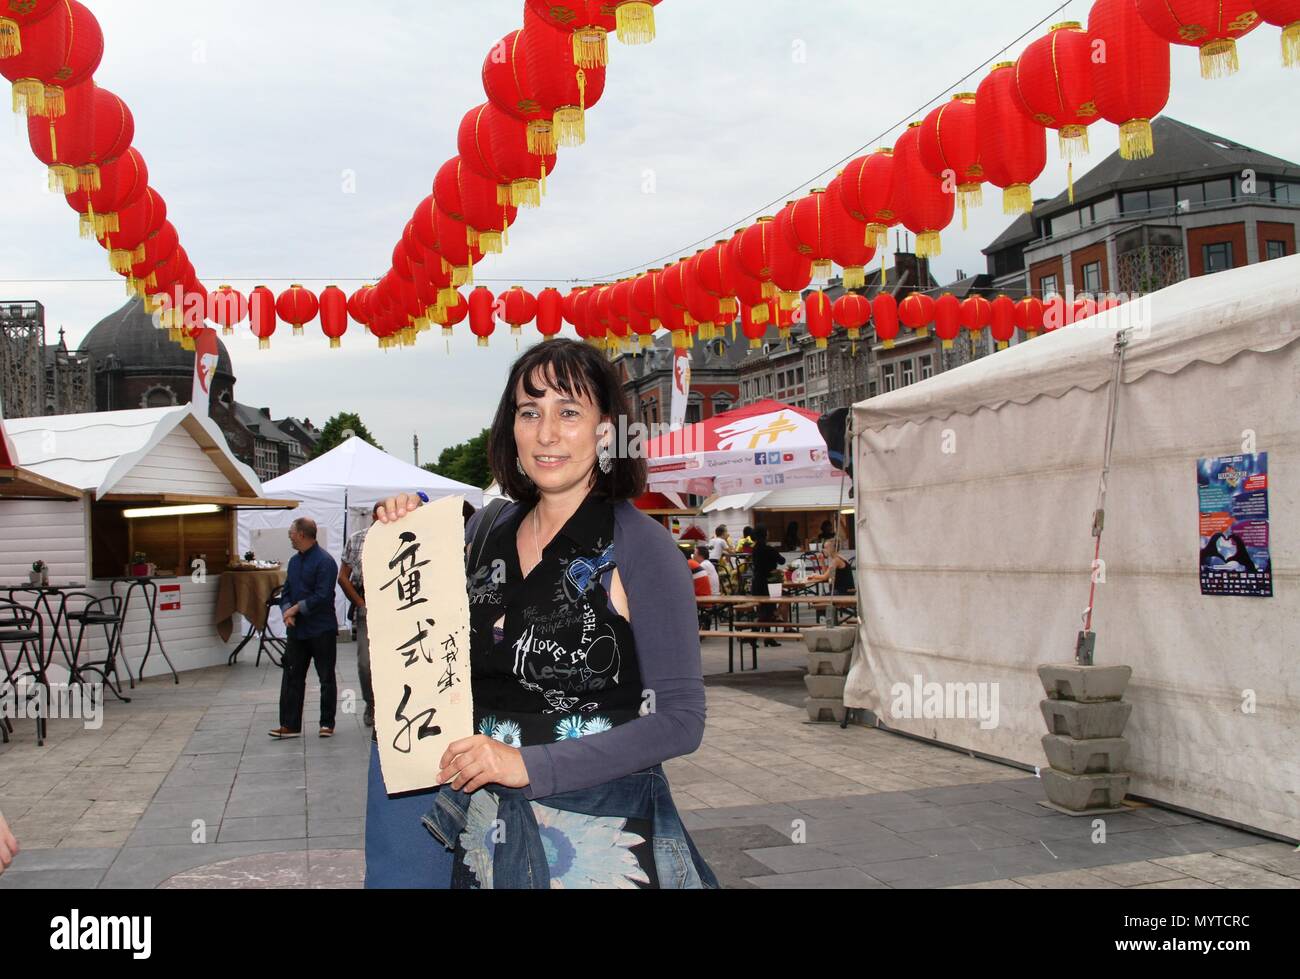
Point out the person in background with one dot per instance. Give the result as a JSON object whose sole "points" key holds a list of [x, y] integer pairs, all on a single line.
{"points": [[827, 532], [790, 542], [8, 845], [746, 543], [312, 630], [353, 585], [705, 561], [719, 545], [838, 568], [764, 561]]}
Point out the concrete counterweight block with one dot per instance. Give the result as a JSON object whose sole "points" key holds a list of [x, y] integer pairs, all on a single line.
{"points": [[832, 639], [1099, 756], [825, 687], [1085, 794], [825, 709], [1085, 722], [1085, 684], [829, 664]]}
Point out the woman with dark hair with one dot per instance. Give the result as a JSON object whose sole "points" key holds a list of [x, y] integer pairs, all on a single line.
{"points": [[790, 542], [584, 653]]}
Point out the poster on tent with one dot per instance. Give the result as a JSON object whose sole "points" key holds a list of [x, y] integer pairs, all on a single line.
{"points": [[417, 614], [1233, 495]]}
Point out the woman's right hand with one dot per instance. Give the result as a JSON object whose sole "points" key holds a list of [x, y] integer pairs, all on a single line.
{"points": [[397, 507]]}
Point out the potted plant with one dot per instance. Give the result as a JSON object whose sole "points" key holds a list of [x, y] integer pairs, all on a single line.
{"points": [[774, 583], [140, 567], [40, 573], [250, 557]]}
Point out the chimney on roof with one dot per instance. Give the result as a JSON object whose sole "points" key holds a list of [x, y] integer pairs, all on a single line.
{"points": [[265, 411]]}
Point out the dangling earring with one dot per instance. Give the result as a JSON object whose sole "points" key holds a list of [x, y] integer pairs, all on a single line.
{"points": [[604, 461], [519, 464]]}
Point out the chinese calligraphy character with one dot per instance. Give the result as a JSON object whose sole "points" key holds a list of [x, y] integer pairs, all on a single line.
{"points": [[427, 728], [416, 641], [448, 678], [407, 579]]}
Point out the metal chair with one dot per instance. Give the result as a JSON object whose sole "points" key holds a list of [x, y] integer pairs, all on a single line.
{"points": [[22, 625], [106, 613]]}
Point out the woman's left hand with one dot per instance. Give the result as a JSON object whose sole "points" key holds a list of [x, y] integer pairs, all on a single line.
{"points": [[471, 763]]}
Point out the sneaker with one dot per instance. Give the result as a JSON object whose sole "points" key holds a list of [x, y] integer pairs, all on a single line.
{"points": [[327, 732], [280, 733], [369, 717]]}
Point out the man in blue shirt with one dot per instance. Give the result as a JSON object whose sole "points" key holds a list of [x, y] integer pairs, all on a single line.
{"points": [[307, 603]]}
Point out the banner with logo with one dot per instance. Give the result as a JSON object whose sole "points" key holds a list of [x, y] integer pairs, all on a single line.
{"points": [[205, 369], [1233, 495], [681, 387]]}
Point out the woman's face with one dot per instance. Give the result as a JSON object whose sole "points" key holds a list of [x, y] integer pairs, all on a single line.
{"points": [[556, 436]]}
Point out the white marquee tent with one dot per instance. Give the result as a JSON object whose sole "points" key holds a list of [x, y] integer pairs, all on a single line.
{"points": [[338, 490], [975, 494]]}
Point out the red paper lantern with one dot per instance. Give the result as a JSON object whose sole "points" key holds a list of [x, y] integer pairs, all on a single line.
{"points": [[717, 276], [947, 319], [122, 182], [1130, 75], [1013, 148], [564, 92], [670, 300], [359, 305], [1286, 15], [852, 312], [849, 247], [754, 328], [1002, 324], [885, 311], [14, 16], [333, 314], [867, 191], [582, 20], [1029, 315], [950, 150], [639, 321], [792, 272], [262, 315], [1212, 26], [60, 51], [644, 303], [705, 307], [1054, 80], [819, 317], [67, 142], [806, 228], [135, 223], [114, 131], [976, 314], [550, 313], [474, 201], [453, 245], [227, 308], [482, 314], [494, 144], [756, 248], [916, 312], [508, 87], [158, 247], [923, 206], [518, 308], [297, 307]]}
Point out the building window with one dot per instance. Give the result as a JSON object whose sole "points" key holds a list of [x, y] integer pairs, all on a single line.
{"points": [[1217, 257], [909, 373], [1274, 249], [1092, 278], [158, 397], [1049, 285], [1286, 192], [1104, 210], [871, 389], [799, 376], [927, 366], [1218, 191], [888, 378], [1133, 202]]}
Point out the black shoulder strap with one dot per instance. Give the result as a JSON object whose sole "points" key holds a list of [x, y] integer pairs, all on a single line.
{"points": [[486, 521]]}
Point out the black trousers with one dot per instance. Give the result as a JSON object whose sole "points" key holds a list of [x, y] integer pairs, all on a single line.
{"points": [[293, 684]]}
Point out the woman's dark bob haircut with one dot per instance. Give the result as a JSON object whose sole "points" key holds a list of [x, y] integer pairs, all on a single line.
{"points": [[576, 370]]}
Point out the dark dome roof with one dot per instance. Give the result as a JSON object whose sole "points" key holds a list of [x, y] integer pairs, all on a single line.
{"points": [[130, 335]]}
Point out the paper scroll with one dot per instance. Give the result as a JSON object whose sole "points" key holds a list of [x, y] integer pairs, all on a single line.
{"points": [[417, 614]]}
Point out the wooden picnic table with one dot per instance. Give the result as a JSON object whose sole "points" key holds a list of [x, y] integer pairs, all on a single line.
{"points": [[834, 603]]}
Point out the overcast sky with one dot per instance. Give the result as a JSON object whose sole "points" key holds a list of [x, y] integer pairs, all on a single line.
{"points": [[253, 115]]}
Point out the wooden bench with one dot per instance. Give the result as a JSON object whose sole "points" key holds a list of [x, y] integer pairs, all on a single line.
{"points": [[736, 635]]}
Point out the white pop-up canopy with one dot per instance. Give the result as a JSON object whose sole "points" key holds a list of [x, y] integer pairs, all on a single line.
{"points": [[975, 497], [338, 490]]}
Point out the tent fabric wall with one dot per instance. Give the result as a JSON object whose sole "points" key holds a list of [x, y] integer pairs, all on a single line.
{"points": [[975, 492], [338, 490]]}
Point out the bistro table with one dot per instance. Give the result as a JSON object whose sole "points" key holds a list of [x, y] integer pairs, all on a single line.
{"points": [[148, 588], [246, 591], [58, 618], [837, 605]]}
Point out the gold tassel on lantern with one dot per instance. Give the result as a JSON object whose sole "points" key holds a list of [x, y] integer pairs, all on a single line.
{"points": [[877, 237], [28, 97], [298, 330], [88, 178], [759, 315], [591, 47], [446, 298], [63, 179], [635, 22], [1219, 58], [1074, 141], [1017, 199], [490, 242], [541, 137], [471, 236], [928, 244], [789, 300], [1136, 141], [822, 269], [855, 277], [570, 122], [504, 194], [56, 106], [11, 41], [525, 193], [462, 275], [1291, 45]]}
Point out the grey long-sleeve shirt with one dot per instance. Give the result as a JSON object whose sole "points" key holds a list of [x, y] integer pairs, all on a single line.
{"points": [[661, 600]]}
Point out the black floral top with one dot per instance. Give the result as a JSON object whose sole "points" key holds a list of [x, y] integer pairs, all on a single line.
{"points": [[551, 659]]}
